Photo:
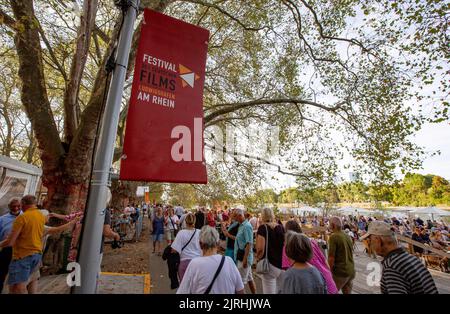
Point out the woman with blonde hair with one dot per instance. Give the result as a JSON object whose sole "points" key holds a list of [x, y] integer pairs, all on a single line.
{"points": [[187, 244], [269, 244]]}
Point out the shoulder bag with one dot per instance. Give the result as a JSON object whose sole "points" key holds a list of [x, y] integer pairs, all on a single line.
{"points": [[263, 266], [175, 229], [195, 230], [208, 290]]}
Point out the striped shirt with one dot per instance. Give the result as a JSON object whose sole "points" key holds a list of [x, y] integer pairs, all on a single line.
{"points": [[405, 274]]}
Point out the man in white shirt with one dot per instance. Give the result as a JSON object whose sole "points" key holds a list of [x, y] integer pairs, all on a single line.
{"points": [[179, 210]]}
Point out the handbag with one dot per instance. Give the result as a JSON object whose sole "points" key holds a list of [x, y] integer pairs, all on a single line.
{"points": [[263, 266]]}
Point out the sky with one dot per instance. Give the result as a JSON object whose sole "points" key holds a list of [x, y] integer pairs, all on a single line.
{"points": [[436, 137], [432, 137]]}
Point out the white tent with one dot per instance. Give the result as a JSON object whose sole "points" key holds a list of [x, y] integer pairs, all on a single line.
{"points": [[347, 209], [283, 210], [433, 211], [397, 214], [309, 209], [407, 209], [364, 211], [354, 210], [305, 209]]}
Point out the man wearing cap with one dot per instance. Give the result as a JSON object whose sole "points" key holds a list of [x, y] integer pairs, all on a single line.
{"points": [[402, 273]]}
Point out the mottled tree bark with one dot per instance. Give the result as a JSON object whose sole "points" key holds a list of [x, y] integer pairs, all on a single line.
{"points": [[33, 92], [66, 168]]}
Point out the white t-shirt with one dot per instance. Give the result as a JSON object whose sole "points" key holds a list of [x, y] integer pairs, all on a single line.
{"points": [[192, 250], [200, 273], [173, 226], [179, 210]]}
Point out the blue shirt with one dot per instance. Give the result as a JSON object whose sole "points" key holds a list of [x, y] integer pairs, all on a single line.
{"points": [[6, 223], [158, 225], [244, 236]]}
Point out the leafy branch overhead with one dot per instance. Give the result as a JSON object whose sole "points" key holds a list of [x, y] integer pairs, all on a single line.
{"points": [[353, 77]]}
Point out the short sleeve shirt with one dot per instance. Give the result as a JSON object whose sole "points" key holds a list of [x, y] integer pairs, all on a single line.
{"points": [[172, 222], [192, 250], [6, 223], [201, 271], [341, 248], [244, 236], [31, 224]]}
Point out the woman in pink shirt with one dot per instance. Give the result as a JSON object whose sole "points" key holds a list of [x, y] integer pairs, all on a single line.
{"points": [[318, 260]]}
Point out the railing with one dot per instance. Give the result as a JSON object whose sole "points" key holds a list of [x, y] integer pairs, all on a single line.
{"points": [[411, 242], [323, 232], [138, 227]]}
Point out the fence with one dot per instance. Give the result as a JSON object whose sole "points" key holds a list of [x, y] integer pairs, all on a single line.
{"points": [[138, 227]]}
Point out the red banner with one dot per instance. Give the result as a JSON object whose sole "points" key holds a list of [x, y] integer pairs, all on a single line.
{"points": [[164, 129]]}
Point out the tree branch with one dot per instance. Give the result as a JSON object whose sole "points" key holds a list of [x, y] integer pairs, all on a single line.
{"points": [[229, 15], [227, 108], [87, 22], [34, 93], [82, 144], [98, 31], [322, 34], [7, 20], [51, 52]]}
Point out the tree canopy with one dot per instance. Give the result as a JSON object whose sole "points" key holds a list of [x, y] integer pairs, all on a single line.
{"points": [[346, 77], [414, 190]]}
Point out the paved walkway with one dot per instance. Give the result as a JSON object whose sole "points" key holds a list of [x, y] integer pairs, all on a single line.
{"points": [[157, 282], [364, 268], [109, 283]]}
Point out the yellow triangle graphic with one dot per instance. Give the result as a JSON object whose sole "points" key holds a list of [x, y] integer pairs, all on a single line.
{"points": [[196, 77], [184, 70]]}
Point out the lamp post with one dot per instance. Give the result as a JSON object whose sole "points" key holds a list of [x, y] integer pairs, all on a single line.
{"points": [[91, 241]]}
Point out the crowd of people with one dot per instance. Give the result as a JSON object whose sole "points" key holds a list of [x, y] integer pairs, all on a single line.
{"points": [[24, 231], [23, 235], [212, 251], [209, 251], [431, 233]]}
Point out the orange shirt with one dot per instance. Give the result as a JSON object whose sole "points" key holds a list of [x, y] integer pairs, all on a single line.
{"points": [[29, 241]]}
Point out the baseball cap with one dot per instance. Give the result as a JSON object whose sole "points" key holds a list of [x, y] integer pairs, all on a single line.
{"points": [[379, 228]]}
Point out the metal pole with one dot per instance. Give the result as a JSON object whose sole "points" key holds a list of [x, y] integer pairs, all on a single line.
{"points": [[90, 259]]}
